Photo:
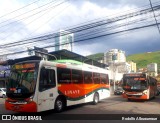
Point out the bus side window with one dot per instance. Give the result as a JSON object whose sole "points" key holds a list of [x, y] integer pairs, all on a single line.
{"points": [[64, 75], [47, 79], [87, 77], [77, 76], [104, 79], [96, 78]]}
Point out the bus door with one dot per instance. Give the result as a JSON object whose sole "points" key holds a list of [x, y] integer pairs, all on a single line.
{"points": [[47, 88]]}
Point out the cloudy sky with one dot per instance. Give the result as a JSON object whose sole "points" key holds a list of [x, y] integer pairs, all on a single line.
{"points": [[19, 19]]}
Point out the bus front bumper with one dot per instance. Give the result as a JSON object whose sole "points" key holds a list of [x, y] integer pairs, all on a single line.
{"points": [[140, 96], [29, 107]]}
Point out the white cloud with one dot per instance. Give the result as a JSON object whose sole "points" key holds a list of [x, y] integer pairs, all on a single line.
{"points": [[66, 15], [69, 17]]}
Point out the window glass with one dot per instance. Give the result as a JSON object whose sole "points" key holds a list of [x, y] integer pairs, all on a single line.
{"points": [[77, 76], [87, 77], [104, 78], [96, 78], [47, 79], [64, 75], [151, 81]]}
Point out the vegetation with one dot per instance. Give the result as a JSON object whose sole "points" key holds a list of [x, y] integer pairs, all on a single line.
{"points": [[141, 59], [98, 56]]}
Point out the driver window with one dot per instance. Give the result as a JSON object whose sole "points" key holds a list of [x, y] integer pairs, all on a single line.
{"points": [[47, 79]]}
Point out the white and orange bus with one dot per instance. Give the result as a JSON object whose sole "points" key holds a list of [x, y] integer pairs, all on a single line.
{"points": [[139, 86], [36, 86]]}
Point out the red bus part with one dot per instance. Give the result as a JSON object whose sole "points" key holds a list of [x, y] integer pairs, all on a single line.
{"points": [[140, 97], [61, 65], [29, 107]]}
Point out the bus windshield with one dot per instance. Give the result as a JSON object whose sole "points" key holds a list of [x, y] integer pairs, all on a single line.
{"points": [[134, 83], [22, 80]]}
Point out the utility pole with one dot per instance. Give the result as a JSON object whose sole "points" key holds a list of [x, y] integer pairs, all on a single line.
{"points": [[114, 75], [114, 58], [154, 15]]}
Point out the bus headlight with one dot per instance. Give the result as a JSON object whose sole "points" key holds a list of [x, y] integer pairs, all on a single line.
{"points": [[30, 99], [145, 92]]}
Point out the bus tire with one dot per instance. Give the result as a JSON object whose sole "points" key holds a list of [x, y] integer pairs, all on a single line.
{"points": [[59, 104], [95, 98]]}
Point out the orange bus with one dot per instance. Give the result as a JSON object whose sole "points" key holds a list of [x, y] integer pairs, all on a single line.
{"points": [[139, 86], [36, 86]]}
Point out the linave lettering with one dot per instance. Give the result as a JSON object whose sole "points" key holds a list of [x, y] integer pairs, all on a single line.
{"points": [[72, 92]]}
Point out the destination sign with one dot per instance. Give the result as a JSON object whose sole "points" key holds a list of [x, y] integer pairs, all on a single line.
{"points": [[134, 75], [24, 66]]}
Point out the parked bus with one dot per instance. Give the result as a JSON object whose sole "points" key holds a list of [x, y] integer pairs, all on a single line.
{"points": [[139, 86], [36, 86]]}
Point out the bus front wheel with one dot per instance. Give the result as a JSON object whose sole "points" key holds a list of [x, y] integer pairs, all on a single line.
{"points": [[59, 105], [95, 98]]}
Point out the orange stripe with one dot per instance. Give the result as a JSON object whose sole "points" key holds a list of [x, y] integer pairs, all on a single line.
{"points": [[79, 90]]}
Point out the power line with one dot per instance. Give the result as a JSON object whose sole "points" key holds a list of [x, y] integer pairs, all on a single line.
{"points": [[85, 36], [102, 23], [19, 9], [112, 33], [48, 10], [133, 13], [56, 4], [113, 15], [52, 17], [154, 16], [131, 29], [28, 12], [83, 27]]}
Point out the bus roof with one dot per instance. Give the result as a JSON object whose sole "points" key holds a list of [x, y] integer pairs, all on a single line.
{"points": [[75, 65]]}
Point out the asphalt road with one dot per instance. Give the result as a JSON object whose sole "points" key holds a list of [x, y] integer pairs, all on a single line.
{"points": [[111, 106]]}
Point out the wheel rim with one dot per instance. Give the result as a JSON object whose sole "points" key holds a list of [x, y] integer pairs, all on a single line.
{"points": [[96, 99], [59, 104]]}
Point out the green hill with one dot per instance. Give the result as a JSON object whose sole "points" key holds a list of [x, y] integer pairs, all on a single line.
{"points": [[97, 56], [141, 59]]}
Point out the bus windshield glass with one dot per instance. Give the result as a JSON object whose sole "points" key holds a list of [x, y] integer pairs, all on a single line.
{"points": [[134, 83], [22, 80]]}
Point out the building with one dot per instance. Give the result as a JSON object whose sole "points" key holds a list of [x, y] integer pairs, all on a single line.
{"points": [[133, 66], [64, 40], [152, 69], [116, 60], [124, 68], [114, 55]]}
